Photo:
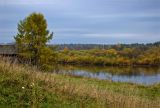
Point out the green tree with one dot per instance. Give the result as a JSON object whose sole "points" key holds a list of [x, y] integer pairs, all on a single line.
{"points": [[32, 38]]}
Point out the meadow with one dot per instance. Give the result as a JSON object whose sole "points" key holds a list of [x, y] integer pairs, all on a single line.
{"points": [[26, 86]]}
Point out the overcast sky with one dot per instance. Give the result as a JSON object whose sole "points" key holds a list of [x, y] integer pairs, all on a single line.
{"points": [[87, 21]]}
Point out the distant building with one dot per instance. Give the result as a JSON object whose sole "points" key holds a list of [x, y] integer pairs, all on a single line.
{"points": [[8, 50]]}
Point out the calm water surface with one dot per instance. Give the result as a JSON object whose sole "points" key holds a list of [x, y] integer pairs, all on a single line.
{"points": [[140, 75]]}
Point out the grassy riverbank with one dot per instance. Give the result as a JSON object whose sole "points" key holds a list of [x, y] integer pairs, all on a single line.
{"points": [[23, 86]]}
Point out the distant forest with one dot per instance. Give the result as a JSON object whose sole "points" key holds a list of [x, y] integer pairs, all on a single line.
{"points": [[105, 46], [100, 46]]}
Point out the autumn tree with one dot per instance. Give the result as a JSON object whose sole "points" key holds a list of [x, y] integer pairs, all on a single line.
{"points": [[66, 49], [32, 38]]}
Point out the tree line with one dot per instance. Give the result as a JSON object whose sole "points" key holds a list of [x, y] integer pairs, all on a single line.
{"points": [[122, 56], [105, 46]]}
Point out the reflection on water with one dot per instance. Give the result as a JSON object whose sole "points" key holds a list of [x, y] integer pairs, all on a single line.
{"points": [[140, 75]]}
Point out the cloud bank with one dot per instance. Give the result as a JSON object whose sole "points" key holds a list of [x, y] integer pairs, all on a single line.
{"points": [[87, 21]]}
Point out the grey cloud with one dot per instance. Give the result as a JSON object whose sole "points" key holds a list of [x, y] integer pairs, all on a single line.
{"points": [[84, 20]]}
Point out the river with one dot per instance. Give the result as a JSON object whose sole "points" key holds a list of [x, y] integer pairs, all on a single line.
{"points": [[138, 75]]}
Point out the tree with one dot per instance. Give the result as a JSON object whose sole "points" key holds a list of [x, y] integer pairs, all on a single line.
{"points": [[32, 37], [66, 50]]}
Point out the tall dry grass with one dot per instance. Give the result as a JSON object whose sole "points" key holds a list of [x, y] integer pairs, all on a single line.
{"points": [[71, 87]]}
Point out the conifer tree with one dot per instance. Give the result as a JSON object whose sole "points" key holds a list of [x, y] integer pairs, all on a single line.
{"points": [[32, 38]]}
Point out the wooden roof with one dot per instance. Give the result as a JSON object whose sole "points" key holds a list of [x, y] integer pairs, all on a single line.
{"points": [[8, 49]]}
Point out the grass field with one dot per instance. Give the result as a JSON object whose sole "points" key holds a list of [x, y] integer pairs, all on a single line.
{"points": [[25, 86]]}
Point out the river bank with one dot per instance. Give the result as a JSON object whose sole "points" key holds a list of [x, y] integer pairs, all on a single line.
{"points": [[26, 86]]}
